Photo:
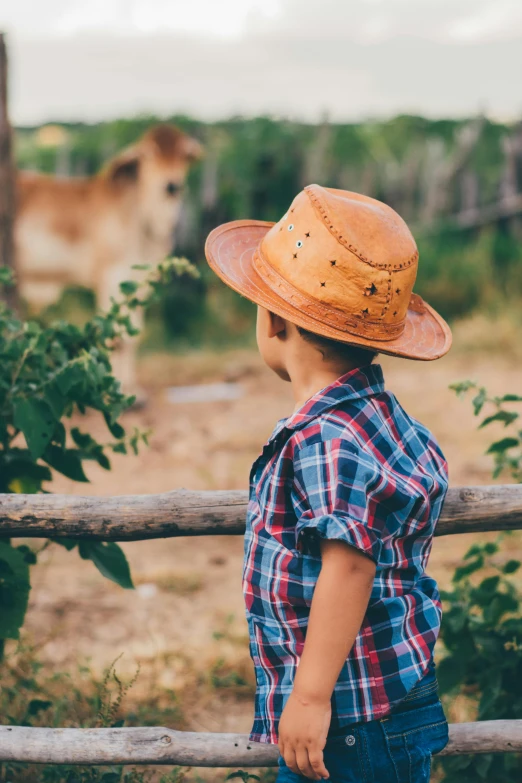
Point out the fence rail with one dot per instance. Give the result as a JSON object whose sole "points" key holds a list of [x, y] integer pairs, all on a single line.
{"points": [[158, 745], [187, 513]]}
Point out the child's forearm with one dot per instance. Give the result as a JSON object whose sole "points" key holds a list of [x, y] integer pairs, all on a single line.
{"points": [[338, 607]]}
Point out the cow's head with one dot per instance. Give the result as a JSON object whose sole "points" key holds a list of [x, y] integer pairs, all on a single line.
{"points": [[154, 171]]}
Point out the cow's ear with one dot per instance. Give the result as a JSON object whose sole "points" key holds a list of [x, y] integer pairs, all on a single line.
{"points": [[191, 149], [125, 169]]}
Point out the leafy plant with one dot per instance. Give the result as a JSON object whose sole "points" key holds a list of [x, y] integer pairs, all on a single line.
{"points": [[506, 452], [110, 706], [48, 375], [482, 634], [482, 625]]}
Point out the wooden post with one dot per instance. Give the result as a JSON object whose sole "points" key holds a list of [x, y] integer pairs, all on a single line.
{"points": [[7, 178]]}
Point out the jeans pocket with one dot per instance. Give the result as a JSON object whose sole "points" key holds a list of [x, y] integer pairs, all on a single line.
{"points": [[412, 738]]}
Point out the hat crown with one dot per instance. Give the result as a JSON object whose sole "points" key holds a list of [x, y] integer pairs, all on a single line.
{"points": [[349, 254]]}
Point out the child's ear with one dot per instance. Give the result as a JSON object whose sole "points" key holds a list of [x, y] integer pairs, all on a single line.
{"points": [[276, 325]]}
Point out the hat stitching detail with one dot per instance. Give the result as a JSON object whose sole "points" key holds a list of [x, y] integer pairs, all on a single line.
{"points": [[323, 313], [314, 198], [388, 295]]}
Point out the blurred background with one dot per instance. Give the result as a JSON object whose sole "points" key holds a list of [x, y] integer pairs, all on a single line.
{"points": [[414, 102]]}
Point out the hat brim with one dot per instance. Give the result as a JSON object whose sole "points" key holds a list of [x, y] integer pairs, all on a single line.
{"points": [[230, 249]]}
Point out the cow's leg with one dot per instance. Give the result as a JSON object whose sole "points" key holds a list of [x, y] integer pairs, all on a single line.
{"points": [[123, 358]]}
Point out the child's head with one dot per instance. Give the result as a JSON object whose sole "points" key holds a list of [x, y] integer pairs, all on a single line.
{"points": [[284, 345], [333, 279]]}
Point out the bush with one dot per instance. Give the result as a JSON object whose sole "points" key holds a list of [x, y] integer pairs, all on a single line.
{"points": [[482, 625], [47, 374], [482, 634]]}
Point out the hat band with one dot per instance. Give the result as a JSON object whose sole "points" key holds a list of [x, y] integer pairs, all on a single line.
{"points": [[331, 316]]}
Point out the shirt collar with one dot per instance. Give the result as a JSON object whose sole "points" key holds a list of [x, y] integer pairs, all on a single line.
{"points": [[361, 382]]}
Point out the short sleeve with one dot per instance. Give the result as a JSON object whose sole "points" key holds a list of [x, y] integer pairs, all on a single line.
{"points": [[337, 495]]}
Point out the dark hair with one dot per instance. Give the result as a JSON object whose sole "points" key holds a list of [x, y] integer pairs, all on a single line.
{"points": [[335, 349]]}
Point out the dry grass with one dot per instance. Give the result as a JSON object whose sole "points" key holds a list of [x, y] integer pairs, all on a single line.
{"points": [[179, 582]]}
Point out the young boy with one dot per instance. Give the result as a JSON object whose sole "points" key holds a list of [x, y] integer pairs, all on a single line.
{"points": [[345, 496]]}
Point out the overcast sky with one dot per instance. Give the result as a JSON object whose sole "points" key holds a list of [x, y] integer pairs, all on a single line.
{"points": [[350, 59]]}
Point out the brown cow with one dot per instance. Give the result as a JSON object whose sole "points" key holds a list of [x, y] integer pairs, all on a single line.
{"points": [[91, 231]]}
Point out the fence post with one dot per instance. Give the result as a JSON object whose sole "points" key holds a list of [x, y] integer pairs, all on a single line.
{"points": [[7, 178]]}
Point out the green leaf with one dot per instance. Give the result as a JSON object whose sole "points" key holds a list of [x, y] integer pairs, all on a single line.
{"points": [[37, 422], [102, 460], [109, 559], [503, 445], [507, 417], [72, 375], [82, 439], [68, 543], [14, 590], [20, 473], [511, 566], [490, 584], [115, 429], [450, 672], [479, 400], [128, 287], [29, 555], [462, 571], [55, 399], [475, 549], [6, 276], [509, 398], [482, 764], [498, 606], [456, 618], [91, 448], [67, 462], [462, 387], [38, 705], [110, 777]]}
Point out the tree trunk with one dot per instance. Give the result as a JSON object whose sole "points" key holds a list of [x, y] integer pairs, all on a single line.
{"points": [[7, 180]]}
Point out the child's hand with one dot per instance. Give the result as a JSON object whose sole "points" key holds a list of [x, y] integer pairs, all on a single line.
{"points": [[302, 735]]}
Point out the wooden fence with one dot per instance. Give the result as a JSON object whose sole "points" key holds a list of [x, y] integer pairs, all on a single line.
{"points": [[186, 513]]}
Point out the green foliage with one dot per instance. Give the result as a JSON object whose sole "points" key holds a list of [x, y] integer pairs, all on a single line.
{"points": [[482, 635], [30, 697], [482, 624], [507, 451], [254, 167], [14, 588], [48, 375], [110, 705]]}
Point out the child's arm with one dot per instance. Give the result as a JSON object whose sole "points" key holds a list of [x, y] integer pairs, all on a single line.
{"points": [[338, 607]]}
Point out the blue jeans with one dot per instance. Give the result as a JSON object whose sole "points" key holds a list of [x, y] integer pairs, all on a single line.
{"points": [[395, 749]]}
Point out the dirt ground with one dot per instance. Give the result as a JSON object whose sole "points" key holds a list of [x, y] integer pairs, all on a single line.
{"points": [[186, 615]]}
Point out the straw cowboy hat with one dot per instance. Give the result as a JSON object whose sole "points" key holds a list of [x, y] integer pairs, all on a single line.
{"points": [[338, 264]]}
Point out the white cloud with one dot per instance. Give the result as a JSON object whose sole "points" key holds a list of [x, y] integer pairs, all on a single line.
{"points": [[297, 58], [221, 18]]}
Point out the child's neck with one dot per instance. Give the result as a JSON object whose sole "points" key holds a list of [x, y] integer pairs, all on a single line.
{"points": [[307, 380]]}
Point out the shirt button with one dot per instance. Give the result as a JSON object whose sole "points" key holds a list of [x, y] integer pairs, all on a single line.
{"points": [[350, 739]]}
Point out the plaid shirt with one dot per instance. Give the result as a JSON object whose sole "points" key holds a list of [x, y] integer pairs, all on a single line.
{"points": [[350, 465]]}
